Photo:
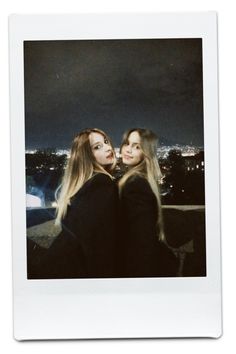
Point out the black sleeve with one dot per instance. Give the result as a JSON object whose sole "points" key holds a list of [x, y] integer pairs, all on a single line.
{"points": [[140, 212]]}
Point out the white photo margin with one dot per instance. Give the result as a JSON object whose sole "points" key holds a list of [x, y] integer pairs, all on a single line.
{"points": [[116, 308]]}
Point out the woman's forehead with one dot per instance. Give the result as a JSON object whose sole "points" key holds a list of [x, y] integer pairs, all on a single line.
{"points": [[134, 137], [95, 137]]}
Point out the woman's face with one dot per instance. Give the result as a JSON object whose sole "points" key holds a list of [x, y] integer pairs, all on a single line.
{"points": [[131, 152], [101, 149]]}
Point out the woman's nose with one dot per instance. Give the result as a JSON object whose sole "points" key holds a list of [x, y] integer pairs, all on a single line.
{"points": [[128, 148]]}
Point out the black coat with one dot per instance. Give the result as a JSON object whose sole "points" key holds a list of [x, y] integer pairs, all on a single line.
{"points": [[85, 247], [141, 254]]}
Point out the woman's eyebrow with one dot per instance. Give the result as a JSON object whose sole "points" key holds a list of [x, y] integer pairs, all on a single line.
{"points": [[98, 142]]}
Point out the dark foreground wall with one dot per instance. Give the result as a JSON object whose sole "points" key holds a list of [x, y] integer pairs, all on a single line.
{"points": [[36, 216], [185, 232]]}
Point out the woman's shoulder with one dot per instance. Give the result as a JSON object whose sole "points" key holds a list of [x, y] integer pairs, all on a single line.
{"points": [[96, 186], [136, 179], [137, 183], [138, 192], [100, 179]]}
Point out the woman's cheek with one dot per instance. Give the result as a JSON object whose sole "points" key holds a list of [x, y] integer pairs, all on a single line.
{"points": [[96, 155], [100, 158]]}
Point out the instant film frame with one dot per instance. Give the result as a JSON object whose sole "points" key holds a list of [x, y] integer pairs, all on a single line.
{"points": [[116, 308]]}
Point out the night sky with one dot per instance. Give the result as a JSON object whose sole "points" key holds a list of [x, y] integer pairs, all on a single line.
{"points": [[113, 85]]}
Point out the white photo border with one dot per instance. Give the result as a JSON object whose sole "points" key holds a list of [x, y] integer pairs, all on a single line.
{"points": [[116, 308]]}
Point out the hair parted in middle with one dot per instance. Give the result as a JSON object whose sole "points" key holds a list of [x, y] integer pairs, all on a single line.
{"points": [[81, 166], [147, 168]]}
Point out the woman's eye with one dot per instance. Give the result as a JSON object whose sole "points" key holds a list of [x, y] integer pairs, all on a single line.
{"points": [[106, 141], [97, 147], [137, 147]]}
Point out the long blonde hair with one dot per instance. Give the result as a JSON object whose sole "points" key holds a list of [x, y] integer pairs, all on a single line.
{"points": [[147, 168], [81, 166]]}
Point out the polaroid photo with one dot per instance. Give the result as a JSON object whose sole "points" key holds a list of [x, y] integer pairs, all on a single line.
{"points": [[115, 176]]}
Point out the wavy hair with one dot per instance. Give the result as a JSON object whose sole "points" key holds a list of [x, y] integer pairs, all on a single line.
{"points": [[81, 166], [147, 168]]}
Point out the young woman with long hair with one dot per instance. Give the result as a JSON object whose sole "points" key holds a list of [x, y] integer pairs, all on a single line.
{"points": [[86, 211], [143, 251]]}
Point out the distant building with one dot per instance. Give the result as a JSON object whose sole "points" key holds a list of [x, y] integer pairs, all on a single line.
{"points": [[194, 163]]}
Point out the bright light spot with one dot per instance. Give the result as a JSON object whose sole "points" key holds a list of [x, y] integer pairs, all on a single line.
{"points": [[51, 168], [184, 154], [117, 153], [197, 166], [32, 201], [54, 204]]}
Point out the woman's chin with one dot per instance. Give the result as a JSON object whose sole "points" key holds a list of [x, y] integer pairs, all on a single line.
{"points": [[127, 162], [108, 164]]}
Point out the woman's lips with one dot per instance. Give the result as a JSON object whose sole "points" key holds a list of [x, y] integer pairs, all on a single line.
{"points": [[110, 156], [127, 157]]}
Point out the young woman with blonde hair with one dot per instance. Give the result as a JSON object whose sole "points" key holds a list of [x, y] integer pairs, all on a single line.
{"points": [[87, 211], [144, 252]]}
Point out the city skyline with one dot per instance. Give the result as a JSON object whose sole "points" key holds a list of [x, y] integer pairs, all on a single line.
{"points": [[162, 151]]}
